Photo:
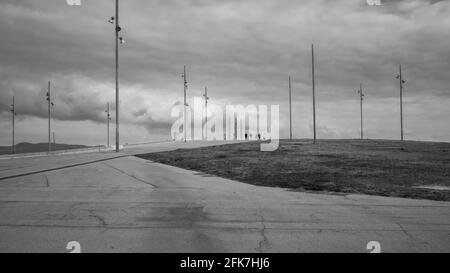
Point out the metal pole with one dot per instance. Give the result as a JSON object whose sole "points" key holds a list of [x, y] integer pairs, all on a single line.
{"points": [[401, 103], [206, 112], [13, 147], [117, 75], [314, 93], [235, 128], [361, 95], [49, 118], [185, 104], [203, 118], [108, 118], [290, 109], [54, 139]]}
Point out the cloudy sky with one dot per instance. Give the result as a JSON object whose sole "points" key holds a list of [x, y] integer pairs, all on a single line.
{"points": [[243, 50]]}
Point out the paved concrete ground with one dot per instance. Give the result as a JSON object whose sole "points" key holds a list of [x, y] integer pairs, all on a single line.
{"points": [[30, 163], [128, 204]]}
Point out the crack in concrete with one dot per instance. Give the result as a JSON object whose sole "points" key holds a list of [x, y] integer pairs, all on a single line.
{"points": [[405, 232], [130, 175], [100, 219], [47, 182], [263, 235], [60, 168], [76, 205], [410, 236]]}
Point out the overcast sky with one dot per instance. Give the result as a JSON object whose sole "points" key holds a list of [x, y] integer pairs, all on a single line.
{"points": [[243, 50]]}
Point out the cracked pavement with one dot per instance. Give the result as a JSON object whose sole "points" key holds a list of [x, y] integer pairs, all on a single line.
{"points": [[128, 204]]}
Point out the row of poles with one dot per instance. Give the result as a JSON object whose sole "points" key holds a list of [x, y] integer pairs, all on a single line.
{"points": [[360, 92], [205, 98], [361, 96], [119, 40], [50, 106]]}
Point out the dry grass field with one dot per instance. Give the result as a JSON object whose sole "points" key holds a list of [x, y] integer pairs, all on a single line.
{"points": [[377, 167]]}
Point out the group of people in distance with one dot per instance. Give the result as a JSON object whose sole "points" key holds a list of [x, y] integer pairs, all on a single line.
{"points": [[249, 136]]}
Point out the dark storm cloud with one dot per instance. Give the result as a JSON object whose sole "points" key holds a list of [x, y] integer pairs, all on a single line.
{"points": [[156, 127], [243, 50]]}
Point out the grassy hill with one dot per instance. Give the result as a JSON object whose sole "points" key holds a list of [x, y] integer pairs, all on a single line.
{"points": [[378, 167], [38, 147]]}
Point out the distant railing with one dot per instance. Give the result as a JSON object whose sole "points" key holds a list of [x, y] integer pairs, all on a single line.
{"points": [[146, 143], [59, 152], [98, 148]]}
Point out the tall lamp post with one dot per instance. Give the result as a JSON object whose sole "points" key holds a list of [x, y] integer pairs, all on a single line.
{"points": [[50, 105], [361, 95], [206, 112], [119, 40], [185, 84], [290, 109], [313, 92], [108, 119], [402, 82], [13, 112]]}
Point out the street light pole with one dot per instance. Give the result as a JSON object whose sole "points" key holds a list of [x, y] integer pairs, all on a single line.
{"points": [[361, 95], [401, 103], [290, 109], [13, 111], [314, 93], [50, 105], [117, 30], [119, 40], [185, 103], [401, 81], [206, 111], [108, 119]]}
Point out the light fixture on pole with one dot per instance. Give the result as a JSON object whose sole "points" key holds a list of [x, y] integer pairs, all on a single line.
{"points": [[108, 119], [185, 84], [290, 109], [205, 96], [13, 112], [314, 92], [50, 106], [402, 82], [361, 95], [119, 40]]}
